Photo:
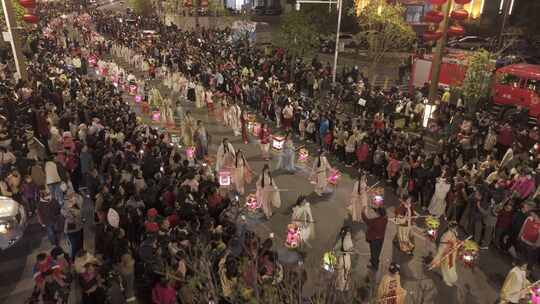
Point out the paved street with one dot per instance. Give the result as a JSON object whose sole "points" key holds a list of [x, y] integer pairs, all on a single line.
{"points": [[478, 285]]}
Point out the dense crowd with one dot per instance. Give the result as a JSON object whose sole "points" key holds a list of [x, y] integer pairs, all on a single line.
{"points": [[162, 223]]}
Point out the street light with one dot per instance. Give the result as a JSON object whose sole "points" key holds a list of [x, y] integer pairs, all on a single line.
{"points": [[330, 2]]}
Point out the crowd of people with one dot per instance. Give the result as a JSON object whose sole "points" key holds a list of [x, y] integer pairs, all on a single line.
{"points": [[164, 221]]}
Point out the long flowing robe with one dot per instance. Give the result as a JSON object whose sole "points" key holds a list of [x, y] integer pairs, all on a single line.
{"points": [[199, 96], [437, 205], [320, 174], [515, 281], [359, 199], [390, 290], [201, 142], [268, 196], [303, 219], [448, 263], [343, 251], [235, 120], [241, 175], [287, 157], [224, 156], [187, 130], [403, 220]]}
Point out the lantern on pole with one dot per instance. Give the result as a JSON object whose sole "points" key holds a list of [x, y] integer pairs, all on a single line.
{"points": [[469, 252], [29, 4], [433, 17], [29, 18], [456, 31], [432, 35], [459, 14], [433, 225]]}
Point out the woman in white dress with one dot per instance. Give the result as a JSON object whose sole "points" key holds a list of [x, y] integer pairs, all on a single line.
{"points": [[437, 206], [242, 173], [235, 120], [199, 96], [359, 198], [303, 219], [267, 194], [321, 168], [342, 251], [187, 129], [287, 155], [225, 155]]}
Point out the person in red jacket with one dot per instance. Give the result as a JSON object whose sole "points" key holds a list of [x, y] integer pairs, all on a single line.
{"points": [[376, 220]]}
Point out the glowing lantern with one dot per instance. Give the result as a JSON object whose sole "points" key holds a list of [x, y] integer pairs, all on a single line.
{"points": [[251, 203], [456, 31], [138, 98], [303, 155], [277, 142], [29, 18], [469, 252], [224, 178], [329, 261], [432, 224], [459, 14], [334, 176], [115, 84], [132, 89], [190, 152], [293, 236], [156, 116], [432, 35], [434, 17], [27, 3]]}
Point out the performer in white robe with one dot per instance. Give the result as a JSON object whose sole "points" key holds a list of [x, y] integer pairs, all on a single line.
{"points": [[303, 219], [188, 124], [437, 206], [242, 173], [321, 168], [286, 160], [342, 250], [267, 194], [225, 108], [235, 120], [199, 96], [225, 155], [446, 255], [359, 198], [515, 285]]}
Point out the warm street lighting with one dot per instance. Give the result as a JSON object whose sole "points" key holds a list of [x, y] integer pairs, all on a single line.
{"points": [[336, 52]]}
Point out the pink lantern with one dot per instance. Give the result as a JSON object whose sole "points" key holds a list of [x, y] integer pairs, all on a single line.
{"points": [[224, 178], [432, 35], [138, 98], [132, 89], [433, 17], [456, 31], [459, 14], [156, 116], [334, 176], [28, 3], [190, 152], [29, 18], [251, 202], [293, 236], [277, 142]]}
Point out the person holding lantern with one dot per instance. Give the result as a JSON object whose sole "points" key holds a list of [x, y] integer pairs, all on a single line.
{"points": [[447, 254], [515, 285], [303, 219], [265, 137], [225, 155], [390, 290], [359, 198], [321, 167], [404, 214], [242, 173], [267, 192], [437, 206], [287, 155]]}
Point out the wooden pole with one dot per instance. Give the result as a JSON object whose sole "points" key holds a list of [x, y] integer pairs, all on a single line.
{"points": [[15, 39], [438, 54]]}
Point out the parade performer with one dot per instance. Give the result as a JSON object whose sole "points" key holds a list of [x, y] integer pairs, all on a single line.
{"points": [[404, 214], [303, 219], [201, 138], [243, 122], [390, 290], [376, 220], [447, 254], [225, 112], [343, 250], [242, 173], [264, 137], [225, 155], [267, 194], [208, 98], [437, 205], [287, 155], [515, 285], [199, 95], [235, 118], [359, 198], [319, 174], [187, 129]]}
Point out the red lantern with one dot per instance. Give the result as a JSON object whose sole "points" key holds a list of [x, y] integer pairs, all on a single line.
{"points": [[432, 35], [462, 1], [30, 18], [459, 14], [456, 31], [434, 17], [28, 3], [437, 2]]}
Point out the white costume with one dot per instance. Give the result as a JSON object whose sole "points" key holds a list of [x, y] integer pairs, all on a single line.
{"points": [[320, 171], [343, 250], [234, 119], [359, 200], [222, 154], [267, 194], [241, 174], [303, 219], [437, 205]]}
